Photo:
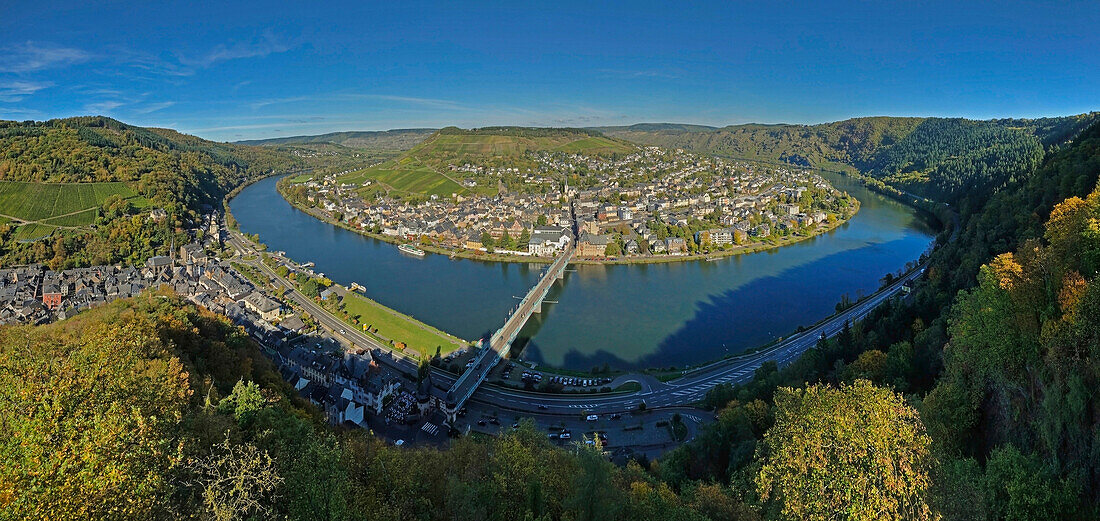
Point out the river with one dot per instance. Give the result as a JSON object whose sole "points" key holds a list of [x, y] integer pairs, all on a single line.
{"points": [[626, 316]]}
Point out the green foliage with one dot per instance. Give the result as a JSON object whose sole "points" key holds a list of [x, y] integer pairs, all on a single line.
{"points": [[938, 158], [244, 401], [157, 167], [859, 450]]}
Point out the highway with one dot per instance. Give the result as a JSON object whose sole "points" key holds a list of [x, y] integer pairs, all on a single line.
{"points": [[682, 392]]}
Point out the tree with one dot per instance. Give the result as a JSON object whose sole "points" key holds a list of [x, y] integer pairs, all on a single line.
{"points": [[859, 450], [235, 481], [613, 249], [541, 221], [486, 240], [243, 401], [89, 415]]}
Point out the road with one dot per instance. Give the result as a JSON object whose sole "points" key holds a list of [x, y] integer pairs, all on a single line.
{"points": [[682, 392]]}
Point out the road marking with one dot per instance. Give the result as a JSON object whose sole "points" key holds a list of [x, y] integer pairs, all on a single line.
{"points": [[430, 428]]}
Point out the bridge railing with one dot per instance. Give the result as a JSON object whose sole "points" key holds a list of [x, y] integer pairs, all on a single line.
{"points": [[480, 369]]}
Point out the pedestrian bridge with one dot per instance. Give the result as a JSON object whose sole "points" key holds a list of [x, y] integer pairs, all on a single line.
{"points": [[500, 342]]}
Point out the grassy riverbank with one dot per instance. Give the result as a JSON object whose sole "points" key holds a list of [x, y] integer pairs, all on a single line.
{"points": [[387, 324]]}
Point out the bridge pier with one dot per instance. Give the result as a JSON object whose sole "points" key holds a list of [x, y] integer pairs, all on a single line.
{"points": [[500, 342]]}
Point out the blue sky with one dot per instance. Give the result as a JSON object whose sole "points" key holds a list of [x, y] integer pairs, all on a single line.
{"points": [[240, 71]]}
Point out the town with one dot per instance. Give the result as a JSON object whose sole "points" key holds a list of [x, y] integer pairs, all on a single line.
{"points": [[652, 204], [353, 378]]}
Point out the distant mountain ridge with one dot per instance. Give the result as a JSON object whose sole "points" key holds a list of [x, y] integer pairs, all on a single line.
{"points": [[936, 157], [395, 139]]}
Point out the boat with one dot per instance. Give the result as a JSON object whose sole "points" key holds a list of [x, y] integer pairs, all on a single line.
{"points": [[710, 259], [405, 248]]}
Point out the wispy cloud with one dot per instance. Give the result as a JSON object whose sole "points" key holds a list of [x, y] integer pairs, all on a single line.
{"points": [[265, 45], [16, 90], [153, 107], [35, 56], [336, 97], [638, 74], [102, 108], [259, 104]]}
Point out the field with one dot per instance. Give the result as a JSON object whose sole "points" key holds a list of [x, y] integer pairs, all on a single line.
{"points": [[422, 170], [400, 328], [497, 145], [60, 204], [407, 176], [32, 231], [594, 145]]}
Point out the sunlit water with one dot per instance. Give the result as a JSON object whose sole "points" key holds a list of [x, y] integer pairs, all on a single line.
{"points": [[626, 316]]}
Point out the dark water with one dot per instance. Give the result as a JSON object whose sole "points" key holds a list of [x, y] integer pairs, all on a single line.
{"points": [[625, 316]]}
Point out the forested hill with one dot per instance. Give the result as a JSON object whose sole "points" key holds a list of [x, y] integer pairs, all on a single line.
{"points": [[69, 187], [167, 167], [999, 346], [936, 157], [397, 139]]}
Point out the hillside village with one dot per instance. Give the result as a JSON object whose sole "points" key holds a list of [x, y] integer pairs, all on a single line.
{"points": [[647, 204], [349, 385]]}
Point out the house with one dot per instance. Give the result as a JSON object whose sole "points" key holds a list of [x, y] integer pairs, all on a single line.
{"points": [[547, 241], [51, 297], [293, 324], [631, 247], [260, 304], [159, 263], [193, 253], [591, 245], [313, 366], [676, 245], [715, 236]]}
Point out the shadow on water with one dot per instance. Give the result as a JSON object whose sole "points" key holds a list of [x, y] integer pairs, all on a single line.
{"points": [[732, 321], [624, 316]]}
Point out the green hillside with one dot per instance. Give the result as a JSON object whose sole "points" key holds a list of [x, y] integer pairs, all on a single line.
{"points": [[397, 139], [425, 169], [936, 157], [88, 175]]}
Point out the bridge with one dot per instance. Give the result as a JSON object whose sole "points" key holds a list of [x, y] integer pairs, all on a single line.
{"points": [[500, 342]]}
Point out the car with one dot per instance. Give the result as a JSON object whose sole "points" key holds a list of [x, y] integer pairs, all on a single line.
{"points": [[564, 436], [494, 421], [481, 423], [616, 416], [592, 418], [515, 425], [543, 407], [399, 443]]}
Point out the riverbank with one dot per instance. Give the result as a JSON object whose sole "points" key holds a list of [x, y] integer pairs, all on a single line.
{"points": [[681, 314], [767, 244]]}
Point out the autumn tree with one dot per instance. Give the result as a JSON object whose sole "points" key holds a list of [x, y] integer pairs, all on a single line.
{"points": [[858, 452], [235, 481]]}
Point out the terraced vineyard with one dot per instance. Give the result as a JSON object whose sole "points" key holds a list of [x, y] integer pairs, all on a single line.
{"points": [[71, 204], [423, 170], [43, 207]]}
